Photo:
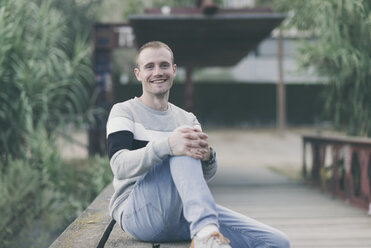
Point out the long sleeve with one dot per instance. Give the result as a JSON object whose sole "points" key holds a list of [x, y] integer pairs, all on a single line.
{"points": [[132, 163], [129, 156]]}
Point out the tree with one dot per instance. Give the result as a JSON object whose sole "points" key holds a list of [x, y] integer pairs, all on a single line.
{"points": [[341, 52], [42, 84], [45, 76]]}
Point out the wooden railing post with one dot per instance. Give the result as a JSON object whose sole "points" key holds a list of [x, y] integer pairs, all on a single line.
{"points": [[315, 162], [364, 157], [348, 180], [335, 170]]}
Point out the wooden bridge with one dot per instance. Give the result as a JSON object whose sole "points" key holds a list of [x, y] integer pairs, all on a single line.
{"points": [[311, 217]]}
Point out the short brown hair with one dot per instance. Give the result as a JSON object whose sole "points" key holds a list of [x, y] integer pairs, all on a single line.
{"points": [[156, 45]]}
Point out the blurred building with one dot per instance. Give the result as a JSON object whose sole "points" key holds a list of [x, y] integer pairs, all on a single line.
{"points": [[261, 65]]}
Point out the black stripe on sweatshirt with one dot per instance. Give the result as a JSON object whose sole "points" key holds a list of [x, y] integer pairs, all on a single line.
{"points": [[122, 140]]}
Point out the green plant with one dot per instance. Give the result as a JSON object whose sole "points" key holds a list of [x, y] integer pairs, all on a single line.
{"points": [[41, 194], [45, 82], [83, 179], [28, 189], [42, 86], [340, 52]]}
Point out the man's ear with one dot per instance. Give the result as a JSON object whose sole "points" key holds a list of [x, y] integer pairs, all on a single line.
{"points": [[137, 74], [174, 69]]}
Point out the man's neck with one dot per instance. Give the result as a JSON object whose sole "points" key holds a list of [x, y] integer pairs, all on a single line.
{"points": [[156, 103]]}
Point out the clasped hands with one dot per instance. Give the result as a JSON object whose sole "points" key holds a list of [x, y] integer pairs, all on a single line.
{"points": [[191, 142]]}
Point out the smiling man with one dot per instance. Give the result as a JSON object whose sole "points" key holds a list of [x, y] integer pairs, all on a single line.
{"points": [[161, 162]]}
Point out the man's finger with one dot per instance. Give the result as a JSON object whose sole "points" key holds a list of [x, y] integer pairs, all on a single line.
{"points": [[194, 153], [191, 136], [193, 144], [202, 143], [186, 130], [202, 135]]}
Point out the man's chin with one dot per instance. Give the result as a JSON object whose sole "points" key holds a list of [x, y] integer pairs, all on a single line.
{"points": [[160, 94]]}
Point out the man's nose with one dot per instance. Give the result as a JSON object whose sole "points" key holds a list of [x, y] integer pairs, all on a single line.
{"points": [[158, 71]]}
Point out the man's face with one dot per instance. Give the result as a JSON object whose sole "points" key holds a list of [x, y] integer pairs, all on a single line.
{"points": [[156, 71]]}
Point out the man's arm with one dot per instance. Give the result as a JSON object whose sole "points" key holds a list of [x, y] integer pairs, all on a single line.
{"points": [[128, 156], [127, 162]]}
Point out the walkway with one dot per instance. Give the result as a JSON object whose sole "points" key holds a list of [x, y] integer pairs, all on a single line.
{"points": [[309, 218], [247, 184]]}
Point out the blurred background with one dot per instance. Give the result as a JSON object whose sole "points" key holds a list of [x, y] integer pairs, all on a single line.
{"points": [[293, 67]]}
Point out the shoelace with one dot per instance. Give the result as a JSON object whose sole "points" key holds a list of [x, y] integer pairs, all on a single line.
{"points": [[217, 236]]}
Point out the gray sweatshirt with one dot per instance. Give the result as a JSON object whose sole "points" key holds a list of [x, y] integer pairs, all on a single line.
{"points": [[137, 139]]}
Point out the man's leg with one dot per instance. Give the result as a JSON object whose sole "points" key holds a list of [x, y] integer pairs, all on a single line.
{"points": [[244, 232], [169, 201], [153, 211], [198, 204]]}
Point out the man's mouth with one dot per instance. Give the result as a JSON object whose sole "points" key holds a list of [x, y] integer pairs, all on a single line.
{"points": [[158, 81]]}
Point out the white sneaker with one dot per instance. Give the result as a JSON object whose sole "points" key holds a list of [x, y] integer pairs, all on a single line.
{"points": [[214, 240]]}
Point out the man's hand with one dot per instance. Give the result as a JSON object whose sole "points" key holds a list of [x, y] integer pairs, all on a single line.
{"points": [[191, 142]]}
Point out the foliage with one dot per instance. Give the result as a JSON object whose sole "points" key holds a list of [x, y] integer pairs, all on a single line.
{"points": [[339, 52], [41, 195], [41, 85], [27, 190], [83, 179], [45, 81], [79, 15], [263, 3]]}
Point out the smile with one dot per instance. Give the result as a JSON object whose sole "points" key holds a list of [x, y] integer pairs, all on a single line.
{"points": [[158, 81]]}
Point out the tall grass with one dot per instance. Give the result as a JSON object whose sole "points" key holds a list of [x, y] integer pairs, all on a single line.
{"points": [[44, 85], [340, 52], [41, 86]]}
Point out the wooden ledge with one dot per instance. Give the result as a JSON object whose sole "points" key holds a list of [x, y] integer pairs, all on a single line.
{"points": [[95, 228]]}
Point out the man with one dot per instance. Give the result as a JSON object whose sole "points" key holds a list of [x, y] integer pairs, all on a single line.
{"points": [[161, 162]]}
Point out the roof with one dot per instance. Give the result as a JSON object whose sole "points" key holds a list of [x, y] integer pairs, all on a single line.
{"points": [[198, 40]]}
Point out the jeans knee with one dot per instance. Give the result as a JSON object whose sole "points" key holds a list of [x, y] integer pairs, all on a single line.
{"points": [[281, 241], [183, 160]]}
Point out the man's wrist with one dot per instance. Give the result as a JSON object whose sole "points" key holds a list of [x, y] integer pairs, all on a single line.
{"points": [[212, 156]]}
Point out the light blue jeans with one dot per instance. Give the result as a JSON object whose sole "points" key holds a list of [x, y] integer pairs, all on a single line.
{"points": [[172, 202]]}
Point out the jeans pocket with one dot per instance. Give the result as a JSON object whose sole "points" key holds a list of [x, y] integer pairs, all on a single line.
{"points": [[144, 223]]}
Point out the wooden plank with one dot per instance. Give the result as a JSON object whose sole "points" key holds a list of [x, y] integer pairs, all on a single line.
{"points": [[175, 245], [309, 217], [119, 238], [92, 228]]}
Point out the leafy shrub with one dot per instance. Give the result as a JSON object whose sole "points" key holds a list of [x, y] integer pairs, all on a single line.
{"points": [[41, 85], [341, 52], [27, 191], [44, 86], [41, 195]]}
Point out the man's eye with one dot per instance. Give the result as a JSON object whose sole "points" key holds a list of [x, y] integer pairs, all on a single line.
{"points": [[149, 66], [165, 65]]}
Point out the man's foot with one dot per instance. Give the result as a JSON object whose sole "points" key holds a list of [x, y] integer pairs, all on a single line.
{"points": [[214, 240]]}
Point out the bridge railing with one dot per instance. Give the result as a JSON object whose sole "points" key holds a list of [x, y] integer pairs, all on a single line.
{"points": [[340, 165]]}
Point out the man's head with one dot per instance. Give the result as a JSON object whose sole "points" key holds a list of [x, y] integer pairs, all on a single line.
{"points": [[154, 45], [155, 69]]}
